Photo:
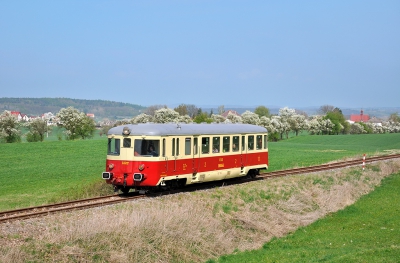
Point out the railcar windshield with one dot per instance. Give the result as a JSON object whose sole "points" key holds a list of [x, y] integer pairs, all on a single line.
{"points": [[147, 148], [113, 146]]}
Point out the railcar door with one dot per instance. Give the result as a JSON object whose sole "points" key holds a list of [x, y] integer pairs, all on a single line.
{"points": [[236, 151], [175, 155], [164, 156], [243, 151], [196, 154]]}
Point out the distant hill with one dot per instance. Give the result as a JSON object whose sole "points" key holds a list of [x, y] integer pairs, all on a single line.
{"points": [[119, 110], [100, 108]]}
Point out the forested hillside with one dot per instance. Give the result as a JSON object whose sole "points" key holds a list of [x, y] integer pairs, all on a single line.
{"points": [[100, 108]]}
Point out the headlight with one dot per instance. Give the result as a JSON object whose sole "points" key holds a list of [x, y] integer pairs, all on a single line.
{"points": [[126, 131], [138, 177]]}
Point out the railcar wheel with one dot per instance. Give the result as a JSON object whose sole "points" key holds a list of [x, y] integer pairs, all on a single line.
{"points": [[125, 190], [252, 174]]}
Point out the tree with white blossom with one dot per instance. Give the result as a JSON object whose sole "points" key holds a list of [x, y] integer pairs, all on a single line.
{"points": [[9, 128], [185, 119], [37, 130], [286, 118], [217, 118], [314, 125], [166, 115], [297, 123], [233, 118], [250, 118], [142, 118], [76, 123], [356, 128]]}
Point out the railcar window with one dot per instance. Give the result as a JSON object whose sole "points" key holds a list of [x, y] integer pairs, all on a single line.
{"points": [[147, 148], [195, 146], [163, 147], [216, 143], [127, 142], [259, 142], [265, 142], [250, 139], [227, 143], [188, 146], [243, 143], [113, 146], [235, 143], [177, 146], [205, 145], [173, 146]]}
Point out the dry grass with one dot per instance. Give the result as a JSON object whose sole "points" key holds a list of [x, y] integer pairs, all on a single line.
{"points": [[190, 227]]}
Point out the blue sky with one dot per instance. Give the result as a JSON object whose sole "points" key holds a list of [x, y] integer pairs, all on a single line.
{"points": [[206, 53]]}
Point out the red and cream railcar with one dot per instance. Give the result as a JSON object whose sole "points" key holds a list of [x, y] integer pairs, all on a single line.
{"points": [[150, 155]]}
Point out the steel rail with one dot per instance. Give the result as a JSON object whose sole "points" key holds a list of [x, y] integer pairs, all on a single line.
{"points": [[328, 166], [36, 211]]}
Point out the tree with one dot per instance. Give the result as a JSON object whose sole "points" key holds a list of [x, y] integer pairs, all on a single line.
{"points": [[105, 129], [191, 110], [297, 123], [221, 109], [233, 118], [394, 117], [9, 128], [250, 118], [202, 117], [270, 125], [151, 110], [301, 112], [217, 118], [340, 125], [87, 127], [76, 123], [37, 129], [142, 118], [262, 111], [181, 109], [356, 128], [314, 125], [286, 114], [166, 115], [186, 119], [324, 109], [326, 126]]}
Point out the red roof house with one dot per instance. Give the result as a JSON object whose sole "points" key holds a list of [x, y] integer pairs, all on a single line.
{"points": [[359, 118], [225, 114]]}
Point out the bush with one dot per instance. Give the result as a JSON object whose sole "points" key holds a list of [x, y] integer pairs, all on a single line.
{"points": [[33, 137]]}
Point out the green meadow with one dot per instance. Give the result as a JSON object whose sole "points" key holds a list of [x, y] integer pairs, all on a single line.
{"points": [[55, 171], [367, 231]]}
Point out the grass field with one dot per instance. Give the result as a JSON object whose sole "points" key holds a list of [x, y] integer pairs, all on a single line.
{"points": [[367, 231], [39, 173], [305, 150], [54, 171]]}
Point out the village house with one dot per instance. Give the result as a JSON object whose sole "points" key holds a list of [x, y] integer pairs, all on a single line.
{"points": [[225, 114], [359, 117], [17, 115]]}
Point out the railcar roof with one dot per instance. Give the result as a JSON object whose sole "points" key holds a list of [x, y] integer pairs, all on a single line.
{"points": [[163, 129]]}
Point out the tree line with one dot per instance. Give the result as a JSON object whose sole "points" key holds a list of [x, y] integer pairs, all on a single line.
{"points": [[77, 125]]}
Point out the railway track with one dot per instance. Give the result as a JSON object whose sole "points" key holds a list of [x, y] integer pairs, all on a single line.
{"points": [[37, 211], [328, 166]]}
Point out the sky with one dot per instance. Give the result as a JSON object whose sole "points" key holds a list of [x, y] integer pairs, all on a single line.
{"points": [[207, 53]]}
